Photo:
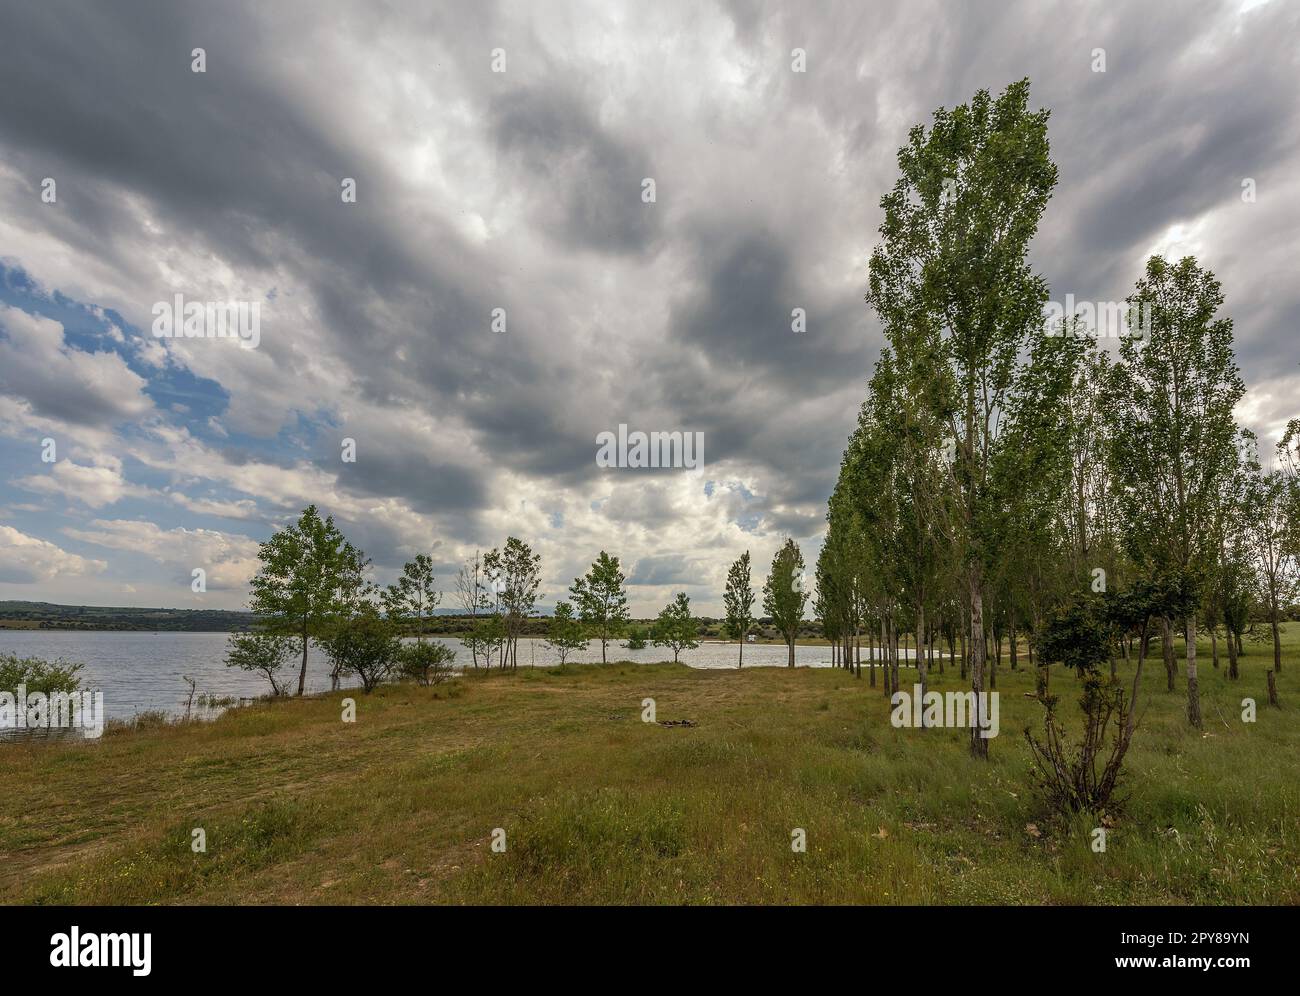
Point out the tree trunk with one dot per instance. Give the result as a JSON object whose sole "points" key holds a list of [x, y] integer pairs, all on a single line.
{"points": [[1233, 672], [1137, 678], [1214, 645], [302, 675], [1167, 646], [1193, 689], [871, 661], [979, 746], [1277, 641], [922, 663], [1272, 690], [894, 665]]}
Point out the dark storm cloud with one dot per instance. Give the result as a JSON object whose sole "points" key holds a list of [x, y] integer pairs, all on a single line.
{"points": [[668, 569], [428, 486], [668, 316], [587, 182]]}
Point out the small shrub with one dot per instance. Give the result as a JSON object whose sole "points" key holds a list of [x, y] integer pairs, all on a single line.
{"points": [[1067, 773], [427, 663]]}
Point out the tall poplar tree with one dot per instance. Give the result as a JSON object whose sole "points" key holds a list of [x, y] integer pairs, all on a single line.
{"points": [[738, 599], [784, 594], [1174, 437], [959, 302]]}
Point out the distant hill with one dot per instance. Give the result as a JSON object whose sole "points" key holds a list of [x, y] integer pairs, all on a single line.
{"points": [[46, 615]]}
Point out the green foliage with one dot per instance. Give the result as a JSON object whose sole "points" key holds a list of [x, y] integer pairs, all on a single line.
{"points": [[1269, 503], [309, 574], [413, 596], [485, 637], [265, 653], [515, 574], [427, 663], [601, 598], [38, 675], [1174, 437], [564, 632], [784, 596], [738, 599], [365, 644], [1084, 776], [1174, 442], [1076, 636], [968, 372], [675, 628]]}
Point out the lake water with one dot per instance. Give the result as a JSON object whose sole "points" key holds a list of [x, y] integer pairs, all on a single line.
{"points": [[146, 671]]}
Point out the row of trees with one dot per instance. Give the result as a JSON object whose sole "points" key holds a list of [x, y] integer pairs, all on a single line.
{"points": [[1009, 480], [313, 587]]}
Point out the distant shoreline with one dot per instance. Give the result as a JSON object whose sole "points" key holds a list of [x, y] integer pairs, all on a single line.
{"points": [[5, 626], [51, 617]]}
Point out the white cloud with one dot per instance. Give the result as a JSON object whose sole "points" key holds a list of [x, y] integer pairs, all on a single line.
{"points": [[229, 559], [95, 486], [60, 381], [27, 560]]}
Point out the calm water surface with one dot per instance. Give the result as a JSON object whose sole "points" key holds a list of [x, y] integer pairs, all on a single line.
{"points": [[146, 671]]}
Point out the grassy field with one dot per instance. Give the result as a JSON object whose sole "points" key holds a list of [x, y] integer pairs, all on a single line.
{"points": [[600, 807]]}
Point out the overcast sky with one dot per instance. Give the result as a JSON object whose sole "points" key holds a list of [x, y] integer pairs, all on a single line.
{"points": [[523, 190]]}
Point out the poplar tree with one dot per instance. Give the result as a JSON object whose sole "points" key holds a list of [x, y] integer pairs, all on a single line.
{"points": [[960, 304], [675, 628], [738, 599], [1174, 437], [601, 597], [784, 596]]}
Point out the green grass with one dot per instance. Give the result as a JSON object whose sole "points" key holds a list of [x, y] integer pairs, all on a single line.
{"points": [[599, 807]]}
